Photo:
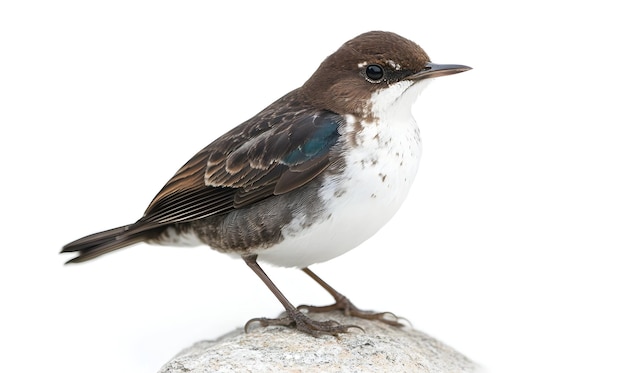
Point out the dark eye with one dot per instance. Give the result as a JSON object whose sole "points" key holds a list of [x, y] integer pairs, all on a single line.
{"points": [[374, 73]]}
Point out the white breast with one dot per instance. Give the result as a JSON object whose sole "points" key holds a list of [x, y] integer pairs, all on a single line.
{"points": [[380, 169]]}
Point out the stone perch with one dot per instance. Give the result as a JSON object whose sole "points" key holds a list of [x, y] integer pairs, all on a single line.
{"points": [[381, 348]]}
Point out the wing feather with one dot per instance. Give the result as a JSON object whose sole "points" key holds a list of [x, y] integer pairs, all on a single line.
{"points": [[277, 151]]}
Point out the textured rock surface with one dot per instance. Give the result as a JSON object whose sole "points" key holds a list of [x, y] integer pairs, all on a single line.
{"points": [[380, 348]]}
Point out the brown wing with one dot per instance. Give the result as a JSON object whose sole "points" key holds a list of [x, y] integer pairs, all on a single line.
{"points": [[275, 152]]}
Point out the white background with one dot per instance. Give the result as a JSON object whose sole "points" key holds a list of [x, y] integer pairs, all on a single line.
{"points": [[510, 247]]}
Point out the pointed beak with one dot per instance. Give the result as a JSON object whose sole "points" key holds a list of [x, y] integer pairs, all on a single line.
{"points": [[433, 70]]}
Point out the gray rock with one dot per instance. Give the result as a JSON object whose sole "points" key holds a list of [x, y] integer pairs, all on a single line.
{"points": [[381, 348]]}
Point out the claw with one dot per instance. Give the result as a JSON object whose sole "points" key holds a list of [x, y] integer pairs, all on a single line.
{"points": [[350, 309], [263, 322], [305, 324], [251, 321], [404, 320]]}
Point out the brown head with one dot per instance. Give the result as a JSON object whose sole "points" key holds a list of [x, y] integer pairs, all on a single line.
{"points": [[375, 60]]}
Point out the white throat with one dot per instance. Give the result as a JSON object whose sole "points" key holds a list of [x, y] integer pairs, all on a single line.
{"points": [[397, 100]]}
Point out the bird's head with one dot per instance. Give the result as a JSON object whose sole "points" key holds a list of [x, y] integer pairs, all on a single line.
{"points": [[371, 72]]}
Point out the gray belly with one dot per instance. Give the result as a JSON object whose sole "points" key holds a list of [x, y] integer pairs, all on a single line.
{"points": [[258, 226]]}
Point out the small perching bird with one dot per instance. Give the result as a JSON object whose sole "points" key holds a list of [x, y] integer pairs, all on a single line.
{"points": [[307, 179]]}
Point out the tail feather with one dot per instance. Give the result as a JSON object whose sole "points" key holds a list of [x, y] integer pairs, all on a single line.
{"points": [[100, 243], [94, 239]]}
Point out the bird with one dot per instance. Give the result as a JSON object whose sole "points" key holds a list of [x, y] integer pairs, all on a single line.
{"points": [[308, 178]]}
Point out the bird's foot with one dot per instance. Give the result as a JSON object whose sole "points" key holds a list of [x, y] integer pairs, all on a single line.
{"points": [[303, 323], [349, 309]]}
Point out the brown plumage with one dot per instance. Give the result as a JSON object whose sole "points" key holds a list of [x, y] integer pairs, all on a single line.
{"points": [[245, 165], [239, 169], [310, 177]]}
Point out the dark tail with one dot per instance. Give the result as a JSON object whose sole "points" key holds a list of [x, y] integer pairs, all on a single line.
{"points": [[97, 244]]}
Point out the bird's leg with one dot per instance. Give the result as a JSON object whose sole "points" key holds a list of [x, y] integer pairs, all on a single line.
{"points": [[343, 304], [294, 316]]}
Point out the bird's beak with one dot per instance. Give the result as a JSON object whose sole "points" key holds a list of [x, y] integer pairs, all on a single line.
{"points": [[433, 70]]}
